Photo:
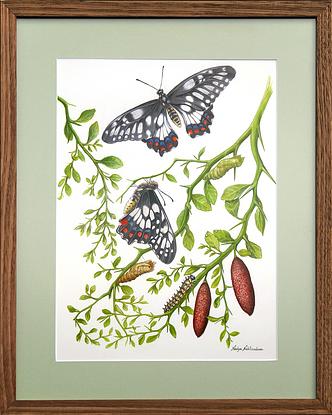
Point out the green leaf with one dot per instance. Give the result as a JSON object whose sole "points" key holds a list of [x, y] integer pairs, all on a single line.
{"points": [[127, 290], [185, 319], [222, 335], [186, 170], [191, 270], [234, 191], [87, 315], [232, 206], [93, 131], [108, 275], [84, 297], [201, 203], [171, 178], [79, 336], [172, 330], [115, 177], [116, 262], [254, 250], [210, 192], [61, 182], [223, 236], [71, 309], [213, 319], [176, 276], [68, 132], [216, 283], [216, 271], [100, 192], [76, 176], [80, 155], [141, 339], [106, 311], [188, 240], [152, 338], [212, 240], [201, 152], [260, 221], [182, 218], [228, 342], [244, 252], [67, 170], [234, 333], [226, 317], [86, 116], [68, 189], [216, 302], [112, 162], [188, 309]]}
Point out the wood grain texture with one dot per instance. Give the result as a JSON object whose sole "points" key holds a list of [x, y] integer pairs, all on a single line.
{"points": [[8, 209], [324, 209], [321, 10], [175, 8], [172, 407]]}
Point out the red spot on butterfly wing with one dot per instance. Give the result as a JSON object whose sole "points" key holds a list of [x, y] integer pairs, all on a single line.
{"points": [[124, 221], [146, 236], [139, 234]]}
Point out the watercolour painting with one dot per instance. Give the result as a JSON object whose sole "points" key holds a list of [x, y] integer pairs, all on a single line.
{"points": [[166, 210]]}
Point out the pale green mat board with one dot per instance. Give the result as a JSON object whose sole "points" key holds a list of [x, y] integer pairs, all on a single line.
{"points": [[40, 42]]}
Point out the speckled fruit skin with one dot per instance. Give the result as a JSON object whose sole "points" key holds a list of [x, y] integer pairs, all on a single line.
{"points": [[242, 285], [202, 309]]}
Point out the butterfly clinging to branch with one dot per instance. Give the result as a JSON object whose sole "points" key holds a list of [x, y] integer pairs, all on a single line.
{"points": [[146, 222], [191, 101]]}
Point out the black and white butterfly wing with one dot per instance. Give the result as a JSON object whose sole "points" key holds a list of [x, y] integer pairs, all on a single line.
{"points": [[147, 122], [193, 98], [134, 124], [148, 223]]}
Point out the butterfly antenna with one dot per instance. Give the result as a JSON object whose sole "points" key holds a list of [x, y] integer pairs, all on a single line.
{"points": [[146, 84], [160, 191], [162, 76]]}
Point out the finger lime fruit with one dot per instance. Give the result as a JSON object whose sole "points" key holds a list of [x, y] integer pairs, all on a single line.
{"points": [[242, 285], [202, 309]]}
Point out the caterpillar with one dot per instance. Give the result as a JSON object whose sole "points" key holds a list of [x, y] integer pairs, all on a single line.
{"points": [[137, 270], [223, 167], [177, 297]]}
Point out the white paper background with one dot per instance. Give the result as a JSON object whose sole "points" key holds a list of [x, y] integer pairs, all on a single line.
{"points": [[111, 88]]}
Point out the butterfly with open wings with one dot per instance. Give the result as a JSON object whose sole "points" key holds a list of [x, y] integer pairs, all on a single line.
{"points": [[146, 222], [191, 100]]}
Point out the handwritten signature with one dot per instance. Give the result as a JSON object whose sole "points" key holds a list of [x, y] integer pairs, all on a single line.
{"points": [[246, 348]]}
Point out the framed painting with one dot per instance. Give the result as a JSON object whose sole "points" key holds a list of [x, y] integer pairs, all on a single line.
{"points": [[156, 235]]}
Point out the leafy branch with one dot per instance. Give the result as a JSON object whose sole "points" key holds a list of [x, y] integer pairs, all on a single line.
{"points": [[134, 326], [98, 220]]}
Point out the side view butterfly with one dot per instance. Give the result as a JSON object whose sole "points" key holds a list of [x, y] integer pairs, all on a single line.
{"points": [[146, 222], [190, 101]]}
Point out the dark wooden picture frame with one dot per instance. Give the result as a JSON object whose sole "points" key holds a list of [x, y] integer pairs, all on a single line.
{"points": [[320, 10]]}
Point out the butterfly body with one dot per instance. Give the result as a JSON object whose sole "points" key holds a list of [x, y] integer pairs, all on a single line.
{"points": [[146, 222], [191, 101], [173, 115], [132, 202]]}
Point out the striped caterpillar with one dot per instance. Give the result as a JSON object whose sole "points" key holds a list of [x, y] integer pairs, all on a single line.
{"points": [[137, 270], [177, 297], [223, 167]]}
